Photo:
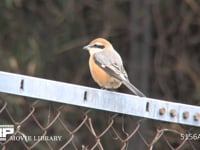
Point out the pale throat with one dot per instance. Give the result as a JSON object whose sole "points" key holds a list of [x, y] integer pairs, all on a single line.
{"points": [[94, 50]]}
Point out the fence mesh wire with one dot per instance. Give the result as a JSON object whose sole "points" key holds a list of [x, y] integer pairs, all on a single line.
{"points": [[82, 128]]}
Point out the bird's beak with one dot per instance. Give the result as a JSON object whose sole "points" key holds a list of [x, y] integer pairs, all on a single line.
{"points": [[86, 47]]}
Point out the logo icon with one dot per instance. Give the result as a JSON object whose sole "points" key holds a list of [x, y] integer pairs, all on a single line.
{"points": [[5, 130]]}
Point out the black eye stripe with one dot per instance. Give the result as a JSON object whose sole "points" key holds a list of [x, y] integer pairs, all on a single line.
{"points": [[98, 46]]}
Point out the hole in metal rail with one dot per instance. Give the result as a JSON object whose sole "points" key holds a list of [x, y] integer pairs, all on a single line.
{"points": [[147, 106], [85, 96], [22, 84]]}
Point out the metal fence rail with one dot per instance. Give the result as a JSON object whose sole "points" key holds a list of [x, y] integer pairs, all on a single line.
{"points": [[85, 127]]}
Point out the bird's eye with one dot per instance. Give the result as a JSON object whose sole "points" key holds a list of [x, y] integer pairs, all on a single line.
{"points": [[98, 46]]}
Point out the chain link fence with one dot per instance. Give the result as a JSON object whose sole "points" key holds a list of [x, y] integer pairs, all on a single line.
{"points": [[47, 125]]}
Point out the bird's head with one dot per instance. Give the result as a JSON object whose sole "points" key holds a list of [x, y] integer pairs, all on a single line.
{"points": [[98, 45]]}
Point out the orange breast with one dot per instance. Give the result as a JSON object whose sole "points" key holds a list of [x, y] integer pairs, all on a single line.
{"points": [[101, 77]]}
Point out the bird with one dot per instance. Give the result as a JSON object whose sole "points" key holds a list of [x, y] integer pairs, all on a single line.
{"points": [[106, 66]]}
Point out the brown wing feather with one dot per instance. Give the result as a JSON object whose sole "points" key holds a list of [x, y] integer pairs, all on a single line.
{"points": [[114, 66]]}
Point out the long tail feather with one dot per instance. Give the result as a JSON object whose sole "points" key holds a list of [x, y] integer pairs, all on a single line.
{"points": [[133, 88]]}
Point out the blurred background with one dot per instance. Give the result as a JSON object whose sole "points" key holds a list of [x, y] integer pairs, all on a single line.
{"points": [[158, 40]]}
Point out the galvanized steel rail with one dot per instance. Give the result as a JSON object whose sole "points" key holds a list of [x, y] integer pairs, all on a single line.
{"points": [[77, 95]]}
